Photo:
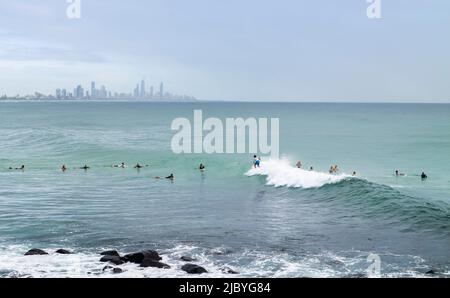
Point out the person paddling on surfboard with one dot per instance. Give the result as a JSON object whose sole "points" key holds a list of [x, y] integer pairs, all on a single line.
{"points": [[21, 168], [397, 173]]}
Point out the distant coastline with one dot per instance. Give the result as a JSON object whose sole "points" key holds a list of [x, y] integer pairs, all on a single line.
{"points": [[131, 99], [195, 100]]}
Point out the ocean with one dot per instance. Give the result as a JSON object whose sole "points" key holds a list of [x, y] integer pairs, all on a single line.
{"points": [[276, 221]]}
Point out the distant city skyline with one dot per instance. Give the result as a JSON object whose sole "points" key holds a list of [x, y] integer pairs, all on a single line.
{"points": [[291, 50], [79, 92]]}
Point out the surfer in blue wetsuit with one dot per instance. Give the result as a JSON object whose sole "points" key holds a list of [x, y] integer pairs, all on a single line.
{"points": [[256, 161]]}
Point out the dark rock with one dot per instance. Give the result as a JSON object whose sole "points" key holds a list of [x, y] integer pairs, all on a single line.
{"points": [[138, 257], [63, 252], [35, 252], [110, 253], [107, 268], [117, 270], [187, 259], [430, 272], [153, 263], [193, 269], [228, 270], [112, 259]]}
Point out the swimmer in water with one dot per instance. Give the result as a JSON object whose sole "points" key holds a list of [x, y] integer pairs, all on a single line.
{"points": [[311, 169], [423, 176], [256, 161], [85, 168], [354, 173], [299, 164], [138, 166], [171, 177], [331, 171], [201, 167], [63, 168]]}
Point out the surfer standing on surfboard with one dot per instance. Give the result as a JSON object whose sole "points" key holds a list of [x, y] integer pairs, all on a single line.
{"points": [[256, 161]]}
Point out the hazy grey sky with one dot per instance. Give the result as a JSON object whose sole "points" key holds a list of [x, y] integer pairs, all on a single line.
{"points": [[321, 50]]}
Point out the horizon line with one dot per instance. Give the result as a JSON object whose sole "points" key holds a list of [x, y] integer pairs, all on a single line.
{"points": [[197, 100]]}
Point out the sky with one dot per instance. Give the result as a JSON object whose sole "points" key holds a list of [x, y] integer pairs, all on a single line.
{"points": [[284, 50]]}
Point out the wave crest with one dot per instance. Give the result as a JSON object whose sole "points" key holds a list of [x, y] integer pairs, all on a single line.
{"points": [[280, 173]]}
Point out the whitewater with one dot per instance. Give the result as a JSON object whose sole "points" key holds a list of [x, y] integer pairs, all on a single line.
{"points": [[280, 172]]}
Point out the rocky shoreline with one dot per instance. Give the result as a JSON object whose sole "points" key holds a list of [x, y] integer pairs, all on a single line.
{"points": [[144, 259], [113, 262]]}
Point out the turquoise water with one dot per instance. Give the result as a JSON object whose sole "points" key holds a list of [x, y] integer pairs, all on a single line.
{"points": [[225, 216]]}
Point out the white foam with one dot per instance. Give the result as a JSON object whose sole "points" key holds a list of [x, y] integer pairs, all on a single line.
{"points": [[249, 263], [281, 173]]}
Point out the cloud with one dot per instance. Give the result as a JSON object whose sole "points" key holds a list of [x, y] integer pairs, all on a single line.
{"points": [[27, 8], [29, 50]]}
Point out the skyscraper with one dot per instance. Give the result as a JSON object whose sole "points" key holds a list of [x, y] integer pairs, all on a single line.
{"points": [[58, 93], [151, 92], [161, 90], [79, 92], [93, 91], [136, 91], [103, 92], [142, 91]]}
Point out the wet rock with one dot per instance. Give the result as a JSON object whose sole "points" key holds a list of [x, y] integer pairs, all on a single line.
{"points": [[63, 252], [35, 252], [138, 257], [228, 270], [187, 259], [193, 269], [153, 263], [117, 270], [112, 259], [107, 268], [110, 253]]}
